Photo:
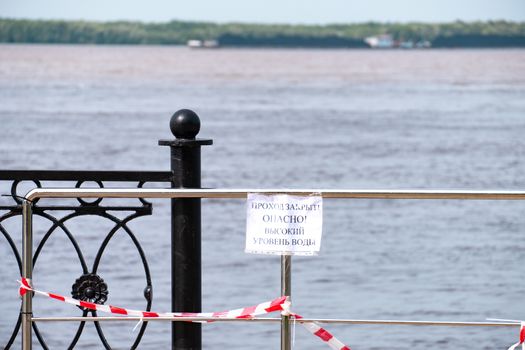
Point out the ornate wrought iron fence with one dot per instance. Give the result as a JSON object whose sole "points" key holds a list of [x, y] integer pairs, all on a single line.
{"points": [[185, 229], [89, 286]]}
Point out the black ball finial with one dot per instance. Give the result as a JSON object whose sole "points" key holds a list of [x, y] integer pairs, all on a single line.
{"points": [[185, 124]]}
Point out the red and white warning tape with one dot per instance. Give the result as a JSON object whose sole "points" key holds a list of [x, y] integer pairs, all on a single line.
{"points": [[280, 304], [522, 338], [323, 334]]}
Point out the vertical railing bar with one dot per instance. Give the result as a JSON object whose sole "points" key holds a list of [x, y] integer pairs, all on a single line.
{"points": [[27, 272], [286, 289]]}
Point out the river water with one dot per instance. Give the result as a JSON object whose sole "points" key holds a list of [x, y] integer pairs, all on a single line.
{"points": [[286, 119]]}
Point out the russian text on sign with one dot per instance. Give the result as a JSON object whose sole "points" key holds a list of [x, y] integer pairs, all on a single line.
{"points": [[283, 224]]}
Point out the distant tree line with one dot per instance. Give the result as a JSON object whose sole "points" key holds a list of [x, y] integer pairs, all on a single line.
{"points": [[455, 34]]}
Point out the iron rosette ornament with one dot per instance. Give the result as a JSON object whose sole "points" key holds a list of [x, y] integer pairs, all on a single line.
{"points": [[90, 287]]}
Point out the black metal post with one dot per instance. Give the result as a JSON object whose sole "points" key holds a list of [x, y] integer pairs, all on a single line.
{"points": [[186, 227]]}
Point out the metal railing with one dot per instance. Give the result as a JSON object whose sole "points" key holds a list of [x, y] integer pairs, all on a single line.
{"points": [[33, 195]]}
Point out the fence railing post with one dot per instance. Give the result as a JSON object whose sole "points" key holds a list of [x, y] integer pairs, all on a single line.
{"points": [[186, 227], [27, 273], [286, 289]]}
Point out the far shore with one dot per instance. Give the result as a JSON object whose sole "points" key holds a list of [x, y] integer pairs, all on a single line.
{"points": [[207, 35]]}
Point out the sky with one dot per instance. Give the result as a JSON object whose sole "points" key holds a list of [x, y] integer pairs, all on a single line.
{"points": [[267, 11]]}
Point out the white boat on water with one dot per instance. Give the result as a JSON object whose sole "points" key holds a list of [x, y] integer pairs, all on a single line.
{"points": [[383, 41], [194, 44], [386, 41]]}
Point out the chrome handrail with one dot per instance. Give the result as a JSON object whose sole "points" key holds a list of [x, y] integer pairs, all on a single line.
{"points": [[275, 319], [242, 193]]}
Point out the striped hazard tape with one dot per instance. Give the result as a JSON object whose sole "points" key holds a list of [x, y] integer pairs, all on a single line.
{"points": [[522, 338], [324, 335], [279, 304]]}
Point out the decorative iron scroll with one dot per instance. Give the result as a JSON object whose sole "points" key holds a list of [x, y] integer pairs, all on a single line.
{"points": [[89, 286]]}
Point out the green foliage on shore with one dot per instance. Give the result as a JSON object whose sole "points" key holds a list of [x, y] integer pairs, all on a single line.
{"points": [[455, 34]]}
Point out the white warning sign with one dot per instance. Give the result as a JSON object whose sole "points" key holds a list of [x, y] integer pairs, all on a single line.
{"points": [[283, 224]]}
